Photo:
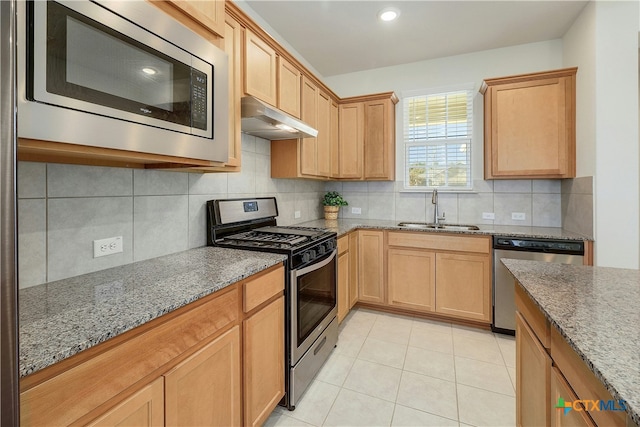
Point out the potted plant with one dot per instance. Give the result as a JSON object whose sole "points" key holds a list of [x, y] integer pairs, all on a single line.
{"points": [[332, 202]]}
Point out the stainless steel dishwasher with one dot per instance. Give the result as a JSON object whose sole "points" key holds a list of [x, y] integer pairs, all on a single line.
{"points": [[504, 305]]}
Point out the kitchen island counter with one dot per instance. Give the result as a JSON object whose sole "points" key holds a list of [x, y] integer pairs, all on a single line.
{"points": [[62, 318], [595, 310]]}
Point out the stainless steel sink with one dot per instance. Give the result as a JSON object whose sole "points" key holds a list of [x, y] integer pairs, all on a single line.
{"points": [[427, 225]]}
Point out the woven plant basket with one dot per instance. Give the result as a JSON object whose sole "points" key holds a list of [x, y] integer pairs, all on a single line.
{"points": [[331, 212]]}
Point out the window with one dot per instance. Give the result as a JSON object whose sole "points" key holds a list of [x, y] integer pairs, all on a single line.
{"points": [[437, 140]]}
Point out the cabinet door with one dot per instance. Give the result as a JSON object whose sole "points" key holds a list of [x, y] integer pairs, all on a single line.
{"points": [[288, 87], [379, 139], [144, 408], [343, 286], [371, 266], [309, 114], [562, 392], [353, 268], [233, 48], [208, 13], [324, 135], [335, 140], [533, 370], [531, 128], [263, 362], [205, 388], [412, 276], [463, 286], [351, 139], [260, 65]]}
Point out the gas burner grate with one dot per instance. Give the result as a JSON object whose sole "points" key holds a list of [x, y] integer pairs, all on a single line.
{"points": [[262, 237]]}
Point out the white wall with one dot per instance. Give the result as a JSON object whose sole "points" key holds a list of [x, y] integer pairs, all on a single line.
{"points": [[603, 43]]}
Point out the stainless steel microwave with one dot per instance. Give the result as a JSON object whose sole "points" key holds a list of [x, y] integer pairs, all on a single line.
{"points": [[121, 75]]}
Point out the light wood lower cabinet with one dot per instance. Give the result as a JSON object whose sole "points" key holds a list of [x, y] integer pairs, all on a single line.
{"points": [[371, 280], [192, 366], [204, 390], [353, 268], [264, 362], [533, 368], [464, 286], [548, 369], [412, 279], [144, 409], [343, 278]]}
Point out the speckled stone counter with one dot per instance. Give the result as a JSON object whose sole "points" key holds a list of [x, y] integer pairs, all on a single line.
{"points": [[343, 226], [597, 311], [60, 319]]}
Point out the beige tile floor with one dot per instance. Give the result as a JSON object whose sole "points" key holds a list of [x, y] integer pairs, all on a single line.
{"points": [[391, 370]]}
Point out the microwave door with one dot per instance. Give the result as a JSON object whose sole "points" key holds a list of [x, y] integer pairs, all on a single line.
{"points": [[90, 59]]}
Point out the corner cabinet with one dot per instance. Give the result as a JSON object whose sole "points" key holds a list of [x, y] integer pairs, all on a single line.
{"points": [[529, 125]]}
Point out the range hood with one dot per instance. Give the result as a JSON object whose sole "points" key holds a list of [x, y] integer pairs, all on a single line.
{"points": [[262, 120]]}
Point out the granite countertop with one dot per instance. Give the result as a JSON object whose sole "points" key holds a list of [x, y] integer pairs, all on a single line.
{"points": [[343, 226], [62, 318], [596, 309]]}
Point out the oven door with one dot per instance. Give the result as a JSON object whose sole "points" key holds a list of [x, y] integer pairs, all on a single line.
{"points": [[313, 303]]}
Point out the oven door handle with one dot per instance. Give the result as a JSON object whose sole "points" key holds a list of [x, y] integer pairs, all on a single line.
{"points": [[316, 266]]}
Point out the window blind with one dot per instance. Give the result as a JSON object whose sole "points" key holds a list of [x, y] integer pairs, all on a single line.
{"points": [[437, 139]]}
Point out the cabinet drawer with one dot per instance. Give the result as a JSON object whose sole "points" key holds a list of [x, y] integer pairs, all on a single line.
{"points": [[442, 242], [262, 288], [534, 317], [583, 381], [343, 244]]}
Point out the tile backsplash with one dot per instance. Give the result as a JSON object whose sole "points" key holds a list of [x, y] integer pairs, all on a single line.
{"points": [[63, 208], [539, 200]]}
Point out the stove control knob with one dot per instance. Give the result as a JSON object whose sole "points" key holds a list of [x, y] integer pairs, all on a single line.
{"points": [[329, 245], [306, 257], [320, 250]]}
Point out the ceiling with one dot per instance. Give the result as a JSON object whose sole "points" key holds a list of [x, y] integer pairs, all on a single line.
{"points": [[338, 37]]}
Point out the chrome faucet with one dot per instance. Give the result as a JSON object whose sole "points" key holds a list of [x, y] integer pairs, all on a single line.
{"points": [[434, 201]]}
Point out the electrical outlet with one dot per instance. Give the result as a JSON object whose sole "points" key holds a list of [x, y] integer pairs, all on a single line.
{"points": [[488, 215], [518, 216], [108, 246], [356, 211], [297, 214]]}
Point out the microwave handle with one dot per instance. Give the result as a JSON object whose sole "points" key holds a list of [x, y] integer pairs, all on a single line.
{"points": [[318, 266]]}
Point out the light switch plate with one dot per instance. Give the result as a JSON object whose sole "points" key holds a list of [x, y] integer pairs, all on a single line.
{"points": [[297, 214], [488, 215], [518, 216], [356, 211]]}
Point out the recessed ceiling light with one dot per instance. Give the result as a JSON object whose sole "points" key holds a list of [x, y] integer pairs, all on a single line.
{"points": [[388, 14], [148, 70]]}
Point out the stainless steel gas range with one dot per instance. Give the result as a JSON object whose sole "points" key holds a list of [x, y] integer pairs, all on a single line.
{"points": [[311, 326]]}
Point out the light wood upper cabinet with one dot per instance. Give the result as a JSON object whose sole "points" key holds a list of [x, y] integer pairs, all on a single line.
{"points": [[323, 141], [233, 48], [351, 140], [210, 14], [309, 115], [529, 125], [205, 388], [335, 139], [367, 137], [379, 139], [371, 280], [260, 69], [289, 80]]}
